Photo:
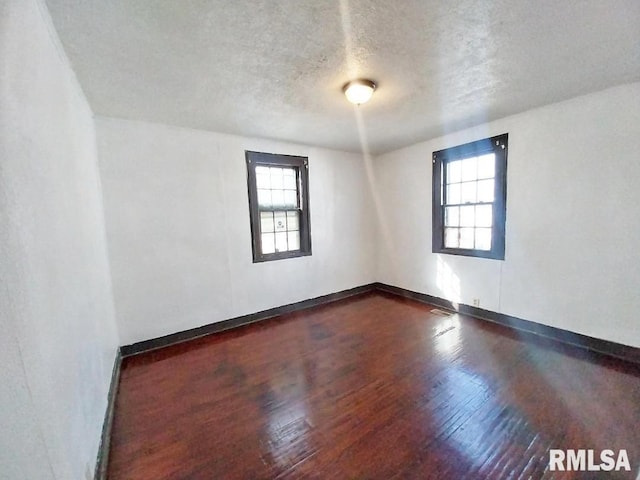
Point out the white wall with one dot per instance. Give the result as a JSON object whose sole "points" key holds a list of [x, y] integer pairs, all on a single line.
{"points": [[179, 239], [573, 221], [179, 236], [58, 336]]}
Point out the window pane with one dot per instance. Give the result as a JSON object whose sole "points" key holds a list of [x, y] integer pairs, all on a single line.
{"points": [[469, 169], [281, 242], [263, 181], [484, 215], [280, 221], [466, 238], [290, 181], [454, 170], [264, 198], [294, 240], [266, 222], [451, 216], [487, 166], [268, 243], [467, 216], [468, 194], [277, 197], [483, 238], [292, 221], [276, 177], [451, 237], [290, 198], [453, 194], [469, 190], [485, 191]]}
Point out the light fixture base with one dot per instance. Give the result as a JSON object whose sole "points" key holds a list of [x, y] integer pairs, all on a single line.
{"points": [[359, 91]]}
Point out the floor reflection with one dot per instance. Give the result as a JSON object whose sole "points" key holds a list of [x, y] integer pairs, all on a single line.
{"points": [[289, 427], [447, 338], [485, 429]]}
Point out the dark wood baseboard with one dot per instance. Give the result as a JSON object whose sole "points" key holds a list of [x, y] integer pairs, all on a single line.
{"points": [[624, 352], [186, 335], [102, 462], [606, 347]]}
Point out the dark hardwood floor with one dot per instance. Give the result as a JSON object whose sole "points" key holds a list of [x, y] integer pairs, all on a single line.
{"points": [[373, 387]]}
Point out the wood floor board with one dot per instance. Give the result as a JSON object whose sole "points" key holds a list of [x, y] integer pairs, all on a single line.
{"points": [[373, 386]]}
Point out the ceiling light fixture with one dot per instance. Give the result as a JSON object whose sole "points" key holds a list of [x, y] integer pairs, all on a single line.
{"points": [[359, 91]]}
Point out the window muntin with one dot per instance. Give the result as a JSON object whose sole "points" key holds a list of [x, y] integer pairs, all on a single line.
{"points": [[278, 200], [469, 198]]}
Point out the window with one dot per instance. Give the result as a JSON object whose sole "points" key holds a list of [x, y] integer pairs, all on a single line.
{"points": [[469, 198], [278, 205]]}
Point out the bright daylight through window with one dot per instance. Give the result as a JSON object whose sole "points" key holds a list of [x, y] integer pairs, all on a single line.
{"points": [[279, 206], [469, 198]]}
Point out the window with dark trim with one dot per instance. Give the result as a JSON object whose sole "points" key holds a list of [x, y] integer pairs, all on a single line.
{"points": [[470, 198], [278, 205]]}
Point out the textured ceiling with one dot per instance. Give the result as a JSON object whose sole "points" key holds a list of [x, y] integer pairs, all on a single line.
{"points": [[275, 68]]}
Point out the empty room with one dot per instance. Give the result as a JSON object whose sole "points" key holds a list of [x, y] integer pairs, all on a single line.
{"points": [[341, 239]]}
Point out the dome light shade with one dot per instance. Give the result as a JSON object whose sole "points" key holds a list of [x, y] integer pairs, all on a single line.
{"points": [[359, 91]]}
